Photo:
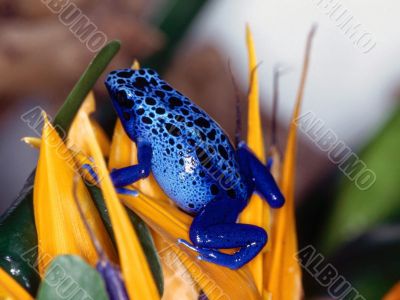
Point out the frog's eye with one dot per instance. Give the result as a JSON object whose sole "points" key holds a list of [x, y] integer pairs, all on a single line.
{"points": [[125, 74], [140, 83], [121, 96], [123, 101]]}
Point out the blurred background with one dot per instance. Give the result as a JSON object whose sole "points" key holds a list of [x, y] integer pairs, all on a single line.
{"points": [[353, 88]]}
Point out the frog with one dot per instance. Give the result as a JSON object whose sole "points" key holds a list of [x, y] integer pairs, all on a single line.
{"points": [[194, 162]]}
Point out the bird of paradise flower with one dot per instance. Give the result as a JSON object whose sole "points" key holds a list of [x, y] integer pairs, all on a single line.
{"points": [[68, 222]]}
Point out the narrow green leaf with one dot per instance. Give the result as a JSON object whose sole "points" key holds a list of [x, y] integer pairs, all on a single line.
{"points": [[17, 227], [70, 277], [142, 231], [358, 210], [75, 98]]}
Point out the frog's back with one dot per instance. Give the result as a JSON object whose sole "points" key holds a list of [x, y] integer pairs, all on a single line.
{"points": [[193, 159]]}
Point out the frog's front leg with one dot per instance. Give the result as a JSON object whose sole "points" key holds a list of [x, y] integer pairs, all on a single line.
{"points": [[264, 183], [215, 228], [128, 175]]}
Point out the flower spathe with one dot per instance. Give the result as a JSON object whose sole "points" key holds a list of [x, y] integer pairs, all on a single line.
{"points": [[274, 273], [59, 226]]}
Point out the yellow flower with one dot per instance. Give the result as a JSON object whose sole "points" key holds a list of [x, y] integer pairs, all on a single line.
{"points": [[283, 280], [257, 211], [58, 223], [273, 274]]}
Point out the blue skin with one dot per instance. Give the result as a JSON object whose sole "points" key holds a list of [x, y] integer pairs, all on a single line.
{"points": [[194, 163]]}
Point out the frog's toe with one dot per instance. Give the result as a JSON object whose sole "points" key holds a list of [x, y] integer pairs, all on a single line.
{"points": [[126, 191], [219, 258], [92, 175], [188, 245]]}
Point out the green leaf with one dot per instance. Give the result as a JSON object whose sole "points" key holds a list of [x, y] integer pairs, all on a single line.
{"points": [[17, 227], [142, 231], [69, 277], [88, 79], [359, 210], [18, 236]]}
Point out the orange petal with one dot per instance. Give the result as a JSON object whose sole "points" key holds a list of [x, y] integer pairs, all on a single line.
{"points": [[394, 293], [10, 289], [255, 136], [75, 135], [101, 138], [257, 211], [284, 276], [135, 65], [178, 283], [80, 158], [58, 223], [135, 270]]}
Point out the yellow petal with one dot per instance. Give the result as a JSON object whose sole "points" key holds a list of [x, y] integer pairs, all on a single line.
{"points": [[284, 276], [257, 211], [101, 138], [32, 141], [58, 223], [135, 65], [75, 135], [178, 283], [80, 158], [255, 137], [394, 293], [135, 270], [10, 289]]}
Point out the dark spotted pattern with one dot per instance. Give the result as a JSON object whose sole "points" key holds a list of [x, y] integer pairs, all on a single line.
{"points": [[193, 160]]}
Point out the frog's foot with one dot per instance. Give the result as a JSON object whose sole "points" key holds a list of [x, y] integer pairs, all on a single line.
{"points": [[249, 238], [92, 178], [128, 175], [215, 228]]}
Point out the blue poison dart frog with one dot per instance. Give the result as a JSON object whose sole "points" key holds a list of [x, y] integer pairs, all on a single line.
{"points": [[194, 163]]}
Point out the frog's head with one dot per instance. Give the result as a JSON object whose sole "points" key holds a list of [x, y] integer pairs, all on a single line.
{"points": [[129, 90]]}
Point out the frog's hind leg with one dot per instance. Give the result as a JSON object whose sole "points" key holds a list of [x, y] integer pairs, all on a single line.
{"points": [[128, 175], [264, 182], [249, 238], [215, 228]]}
